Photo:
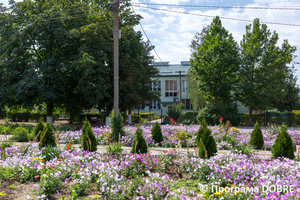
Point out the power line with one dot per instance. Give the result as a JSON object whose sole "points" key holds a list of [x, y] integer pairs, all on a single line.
{"points": [[150, 41], [229, 18], [226, 7]]}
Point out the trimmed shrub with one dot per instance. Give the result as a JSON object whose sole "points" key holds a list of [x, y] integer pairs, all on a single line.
{"points": [[139, 144], [89, 141], [207, 144], [20, 135], [156, 133], [116, 124], [39, 128], [201, 130], [283, 146], [175, 111], [47, 137], [256, 139]]}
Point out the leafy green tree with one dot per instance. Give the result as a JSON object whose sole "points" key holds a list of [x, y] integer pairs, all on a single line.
{"points": [[256, 139], [196, 95], [216, 62], [283, 146], [290, 100], [156, 133], [263, 68], [117, 126]]}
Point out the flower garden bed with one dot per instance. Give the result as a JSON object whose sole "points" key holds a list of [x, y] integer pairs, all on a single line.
{"points": [[78, 174]]}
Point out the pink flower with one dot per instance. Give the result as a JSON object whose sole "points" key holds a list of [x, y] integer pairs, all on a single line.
{"points": [[220, 118], [37, 176], [71, 183]]}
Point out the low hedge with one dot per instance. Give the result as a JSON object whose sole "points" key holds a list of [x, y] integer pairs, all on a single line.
{"points": [[19, 117], [88, 117]]}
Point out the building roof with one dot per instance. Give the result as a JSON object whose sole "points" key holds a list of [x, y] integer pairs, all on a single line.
{"points": [[166, 69]]}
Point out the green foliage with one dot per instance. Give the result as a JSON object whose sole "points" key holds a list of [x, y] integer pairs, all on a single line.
{"points": [[47, 137], [264, 68], [20, 134], [2, 147], [196, 95], [139, 144], [39, 129], [117, 126], [207, 114], [283, 146], [190, 116], [156, 133], [207, 145], [256, 139], [89, 141], [215, 62], [203, 126], [49, 184], [115, 149], [50, 153], [175, 111]]}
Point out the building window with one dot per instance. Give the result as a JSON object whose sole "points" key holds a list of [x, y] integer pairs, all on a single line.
{"points": [[154, 105], [183, 86], [187, 104], [156, 86], [171, 89]]}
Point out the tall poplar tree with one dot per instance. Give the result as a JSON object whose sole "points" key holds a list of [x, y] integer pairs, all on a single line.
{"points": [[216, 62], [263, 68]]}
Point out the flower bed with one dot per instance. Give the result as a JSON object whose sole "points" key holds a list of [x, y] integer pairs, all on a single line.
{"points": [[173, 136], [77, 174]]}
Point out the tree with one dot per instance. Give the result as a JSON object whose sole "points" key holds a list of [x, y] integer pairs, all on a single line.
{"points": [[197, 97], [263, 68], [156, 133], [290, 100], [256, 139], [283, 146], [216, 62]]}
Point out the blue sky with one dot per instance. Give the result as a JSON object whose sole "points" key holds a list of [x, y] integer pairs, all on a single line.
{"points": [[171, 33]]}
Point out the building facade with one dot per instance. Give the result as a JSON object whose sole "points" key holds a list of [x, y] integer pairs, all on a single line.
{"points": [[172, 84]]}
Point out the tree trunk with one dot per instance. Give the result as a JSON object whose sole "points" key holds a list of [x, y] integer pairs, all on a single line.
{"points": [[71, 117], [250, 117], [49, 113], [216, 100]]}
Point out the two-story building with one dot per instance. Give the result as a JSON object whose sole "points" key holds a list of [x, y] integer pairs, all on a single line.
{"points": [[168, 83]]}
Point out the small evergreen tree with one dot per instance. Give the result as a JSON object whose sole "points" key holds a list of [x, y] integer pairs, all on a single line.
{"points": [[88, 141], [84, 126], [207, 144], [283, 146], [139, 144], [116, 124], [256, 140], [47, 137], [201, 130], [39, 129], [156, 133]]}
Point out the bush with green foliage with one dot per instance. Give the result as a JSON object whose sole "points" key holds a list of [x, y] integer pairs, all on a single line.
{"points": [[175, 111], [117, 126], [256, 139], [20, 134], [189, 116], [39, 129], [156, 133], [47, 137], [211, 113], [88, 141], [207, 144], [115, 149], [203, 126], [283, 146], [50, 153], [139, 144]]}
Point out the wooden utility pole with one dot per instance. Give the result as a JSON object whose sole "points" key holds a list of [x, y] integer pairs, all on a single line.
{"points": [[116, 57]]}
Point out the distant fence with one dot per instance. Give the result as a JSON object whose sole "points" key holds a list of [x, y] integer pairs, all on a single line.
{"points": [[279, 118]]}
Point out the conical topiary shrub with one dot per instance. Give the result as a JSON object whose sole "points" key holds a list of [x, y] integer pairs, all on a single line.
{"points": [[207, 144], [38, 130], [283, 146], [88, 139], [256, 139], [47, 137], [116, 124], [201, 130], [156, 133], [139, 144]]}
